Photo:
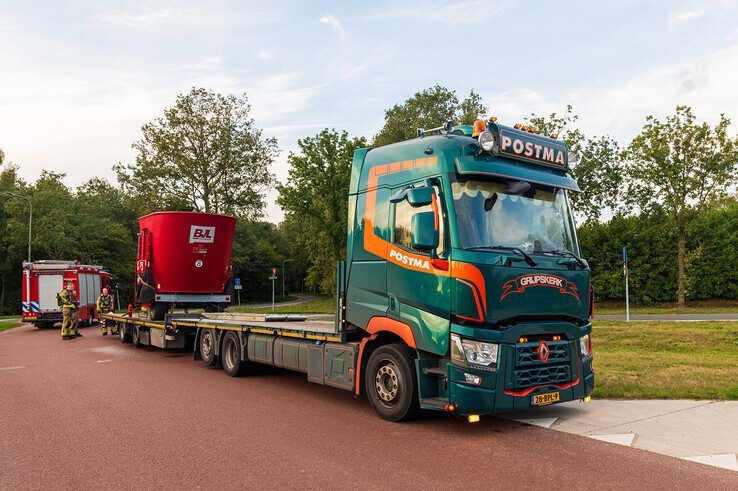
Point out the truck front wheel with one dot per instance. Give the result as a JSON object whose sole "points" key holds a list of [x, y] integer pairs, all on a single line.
{"points": [[391, 384], [207, 347]]}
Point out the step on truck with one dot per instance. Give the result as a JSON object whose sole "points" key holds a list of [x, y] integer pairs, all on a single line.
{"points": [[463, 289]]}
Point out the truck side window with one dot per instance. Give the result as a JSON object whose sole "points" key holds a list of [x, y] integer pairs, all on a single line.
{"points": [[403, 215]]}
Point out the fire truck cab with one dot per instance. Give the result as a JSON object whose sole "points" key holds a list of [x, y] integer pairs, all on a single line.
{"points": [[42, 280]]}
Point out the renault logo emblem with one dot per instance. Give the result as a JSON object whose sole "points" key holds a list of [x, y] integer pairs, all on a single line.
{"points": [[543, 351]]}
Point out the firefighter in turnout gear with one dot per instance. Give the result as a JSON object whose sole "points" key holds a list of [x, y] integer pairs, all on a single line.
{"points": [[104, 306], [67, 301]]}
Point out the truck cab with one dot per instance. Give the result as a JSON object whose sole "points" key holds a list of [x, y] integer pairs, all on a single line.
{"points": [[462, 251]]}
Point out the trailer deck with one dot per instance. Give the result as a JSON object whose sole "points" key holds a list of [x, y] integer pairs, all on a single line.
{"points": [[295, 326]]}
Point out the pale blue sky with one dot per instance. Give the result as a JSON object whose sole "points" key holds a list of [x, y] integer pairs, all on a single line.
{"points": [[78, 79]]}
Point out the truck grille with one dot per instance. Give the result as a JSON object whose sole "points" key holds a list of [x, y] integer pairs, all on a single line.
{"points": [[531, 371], [527, 354], [541, 376]]}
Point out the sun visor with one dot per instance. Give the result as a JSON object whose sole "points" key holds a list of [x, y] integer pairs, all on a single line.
{"points": [[500, 167]]}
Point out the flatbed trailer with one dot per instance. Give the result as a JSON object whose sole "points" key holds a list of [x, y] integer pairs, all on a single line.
{"points": [[462, 290], [314, 347]]}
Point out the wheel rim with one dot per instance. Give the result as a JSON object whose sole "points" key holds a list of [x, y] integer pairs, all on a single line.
{"points": [[120, 334], [231, 354], [135, 335], [388, 383], [207, 345]]}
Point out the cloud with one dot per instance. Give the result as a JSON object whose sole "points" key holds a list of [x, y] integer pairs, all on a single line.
{"points": [[331, 21], [451, 13], [133, 20], [277, 95], [676, 18], [265, 55], [706, 84]]}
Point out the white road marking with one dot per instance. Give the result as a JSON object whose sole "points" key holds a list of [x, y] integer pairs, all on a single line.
{"points": [[18, 367], [725, 461], [621, 439], [104, 361], [542, 422]]}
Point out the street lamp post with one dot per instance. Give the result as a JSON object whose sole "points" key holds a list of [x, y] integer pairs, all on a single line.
{"points": [[283, 271], [30, 223]]}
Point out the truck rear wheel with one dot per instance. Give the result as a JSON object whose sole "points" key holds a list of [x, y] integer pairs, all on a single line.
{"points": [[123, 334], [207, 347], [136, 336], [231, 355], [391, 383]]}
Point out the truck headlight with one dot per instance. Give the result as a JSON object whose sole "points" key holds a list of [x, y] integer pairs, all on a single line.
{"points": [[585, 345], [470, 352], [488, 142]]}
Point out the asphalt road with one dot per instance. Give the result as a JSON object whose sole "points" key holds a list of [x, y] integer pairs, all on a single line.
{"points": [[94, 413]]}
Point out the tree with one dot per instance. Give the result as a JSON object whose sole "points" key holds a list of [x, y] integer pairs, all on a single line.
{"points": [[677, 166], [316, 197], [428, 108], [599, 171], [204, 154]]}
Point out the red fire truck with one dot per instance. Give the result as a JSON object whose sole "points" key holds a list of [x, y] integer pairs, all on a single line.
{"points": [[42, 280]]}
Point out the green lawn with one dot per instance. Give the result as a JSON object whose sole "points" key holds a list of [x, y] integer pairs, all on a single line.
{"points": [[6, 324], [666, 360], [325, 305], [715, 306]]}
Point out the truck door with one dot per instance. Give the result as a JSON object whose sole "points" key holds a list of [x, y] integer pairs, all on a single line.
{"points": [[417, 282], [48, 286]]}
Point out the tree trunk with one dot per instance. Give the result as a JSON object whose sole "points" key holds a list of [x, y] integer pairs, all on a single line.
{"points": [[681, 272]]}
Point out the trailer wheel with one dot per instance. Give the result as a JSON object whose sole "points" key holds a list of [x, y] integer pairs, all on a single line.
{"points": [[231, 355], [123, 334], [207, 347], [136, 336], [391, 383]]}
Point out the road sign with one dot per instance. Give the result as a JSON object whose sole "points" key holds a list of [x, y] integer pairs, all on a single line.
{"points": [[272, 277], [238, 286], [274, 271], [238, 281]]}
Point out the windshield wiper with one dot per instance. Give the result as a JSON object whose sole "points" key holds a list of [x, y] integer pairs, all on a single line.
{"points": [[579, 260], [520, 251]]}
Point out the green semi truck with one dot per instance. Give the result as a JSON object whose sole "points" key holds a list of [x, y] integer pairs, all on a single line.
{"points": [[462, 291]]}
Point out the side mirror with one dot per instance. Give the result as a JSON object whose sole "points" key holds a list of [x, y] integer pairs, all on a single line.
{"points": [[423, 232], [421, 196]]}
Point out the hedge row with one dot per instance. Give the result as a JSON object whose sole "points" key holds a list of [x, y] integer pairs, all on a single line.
{"points": [[712, 256]]}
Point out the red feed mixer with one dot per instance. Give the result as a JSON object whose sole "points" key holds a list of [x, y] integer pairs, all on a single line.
{"points": [[184, 259]]}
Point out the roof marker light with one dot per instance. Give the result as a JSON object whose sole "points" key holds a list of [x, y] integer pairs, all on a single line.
{"points": [[555, 136], [479, 126], [493, 119], [517, 126]]}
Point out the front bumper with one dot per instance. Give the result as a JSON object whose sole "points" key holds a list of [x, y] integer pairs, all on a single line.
{"points": [[497, 392]]}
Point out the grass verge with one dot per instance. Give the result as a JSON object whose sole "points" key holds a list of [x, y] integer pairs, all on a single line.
{"points": [[666, 360], [5, 325], [713, 306], [325, 305]]}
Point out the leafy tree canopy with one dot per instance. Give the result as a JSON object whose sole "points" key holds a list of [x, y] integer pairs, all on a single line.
{"points": [[316, 197], [428, 108], [204, 154]]}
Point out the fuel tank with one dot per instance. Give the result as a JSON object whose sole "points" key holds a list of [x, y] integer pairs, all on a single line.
{"points": [[185, 252]]}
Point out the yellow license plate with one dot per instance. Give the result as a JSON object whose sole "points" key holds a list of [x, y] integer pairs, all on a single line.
{"points": [[543, 399]]}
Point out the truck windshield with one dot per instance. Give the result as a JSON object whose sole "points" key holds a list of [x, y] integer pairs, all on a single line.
{"points": [[491, 214]]}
